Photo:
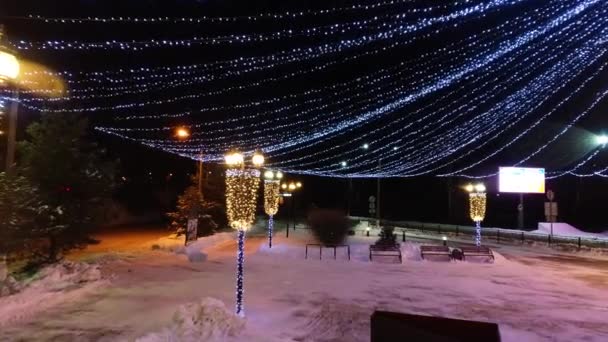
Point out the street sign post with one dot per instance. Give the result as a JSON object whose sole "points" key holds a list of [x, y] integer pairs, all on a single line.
{"points": [[551, 209]]}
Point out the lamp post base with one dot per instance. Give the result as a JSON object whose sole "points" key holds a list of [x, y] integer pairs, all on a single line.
{"points": [[270, 228], [240, 258], [477, 233]]}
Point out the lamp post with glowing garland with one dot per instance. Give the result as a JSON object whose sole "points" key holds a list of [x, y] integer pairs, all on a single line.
{"points": [[290, 188], [477, 207], [241, 196], [272, 187]]}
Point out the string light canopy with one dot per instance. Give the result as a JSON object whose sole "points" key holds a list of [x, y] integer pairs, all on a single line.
{"points": [[457, 107]]}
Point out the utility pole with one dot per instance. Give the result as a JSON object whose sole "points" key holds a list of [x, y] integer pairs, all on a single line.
{"points": [[12, 134], [200, 175], [378, 194], [9, 71]]}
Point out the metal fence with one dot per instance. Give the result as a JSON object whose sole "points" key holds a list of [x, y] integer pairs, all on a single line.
{"points": [[498, 235]]}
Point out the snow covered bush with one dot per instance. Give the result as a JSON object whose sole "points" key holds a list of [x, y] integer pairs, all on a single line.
{"points": [[329, 226], [24, 217], [191, 204], [208, 320]]}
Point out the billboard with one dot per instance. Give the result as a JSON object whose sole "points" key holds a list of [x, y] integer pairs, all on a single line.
{"points": [[521, 180]]}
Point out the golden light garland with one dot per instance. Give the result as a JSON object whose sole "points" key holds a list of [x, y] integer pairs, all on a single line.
{"points": [[271, 196], [241, 197], [477, 206]]}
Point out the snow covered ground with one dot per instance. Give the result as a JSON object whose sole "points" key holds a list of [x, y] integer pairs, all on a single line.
{"points": [[533, 296], [564, 229]]}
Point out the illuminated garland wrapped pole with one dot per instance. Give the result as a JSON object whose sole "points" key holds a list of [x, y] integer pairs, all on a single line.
{"points": [[477, 207], [241, 196], [272, 184]]}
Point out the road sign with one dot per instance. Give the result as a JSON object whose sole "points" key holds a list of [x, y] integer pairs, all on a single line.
{"points": [[551, 211], [192, 230], [372, 199]]}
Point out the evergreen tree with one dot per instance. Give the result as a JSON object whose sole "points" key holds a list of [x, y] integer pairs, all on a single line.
{"points": [[71, 176], [387, 237], [191, 205], [24, 216]]}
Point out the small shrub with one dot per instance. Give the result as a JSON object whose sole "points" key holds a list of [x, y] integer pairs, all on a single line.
{"points": [[387, 237], [330, 227]]}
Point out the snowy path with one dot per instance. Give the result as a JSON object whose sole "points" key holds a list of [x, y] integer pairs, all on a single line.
{"points": [[292, 299]]}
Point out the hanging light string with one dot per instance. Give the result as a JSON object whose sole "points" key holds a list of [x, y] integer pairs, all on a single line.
{"points": [[478, 9], [491, 91], [528, 62], [453, 77], [115, 107], [367, 26], [167, 128], [419, 64], [290, 15]]}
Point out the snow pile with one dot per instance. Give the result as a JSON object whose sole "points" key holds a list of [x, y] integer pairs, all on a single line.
{"points": [[208, 320], [195, 250], [56, 277], [54, 284], [565, 229], [65, 275]]}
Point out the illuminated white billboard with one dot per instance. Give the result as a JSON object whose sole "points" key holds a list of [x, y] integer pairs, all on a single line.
{"points": [[521, 180]]}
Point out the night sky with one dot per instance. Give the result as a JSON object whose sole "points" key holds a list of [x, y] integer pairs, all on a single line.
{"points": [[424, 197]]}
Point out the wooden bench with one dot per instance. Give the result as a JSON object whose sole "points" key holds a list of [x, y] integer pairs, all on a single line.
{"points": [[435, 250], [385, 250], [476, 251]]}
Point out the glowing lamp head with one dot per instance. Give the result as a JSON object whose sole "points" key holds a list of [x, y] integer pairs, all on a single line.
{"points": [[269, 175], [365, 146], [298, 185], [343, 164], [469, 188], [234, 159], [182, 133], [292, 186], [257, 159], [279, 175], [480, 187], [283, 186], [9, 66], [444, 238], [602, 139]]}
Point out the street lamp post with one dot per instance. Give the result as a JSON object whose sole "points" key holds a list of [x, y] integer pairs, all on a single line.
{"points": [[9, 70], [290, 188], [182, 133], [241, 195], [272, 185], [477, 207]]}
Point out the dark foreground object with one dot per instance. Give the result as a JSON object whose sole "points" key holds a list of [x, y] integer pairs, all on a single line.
{"points": [[398, 327]]}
